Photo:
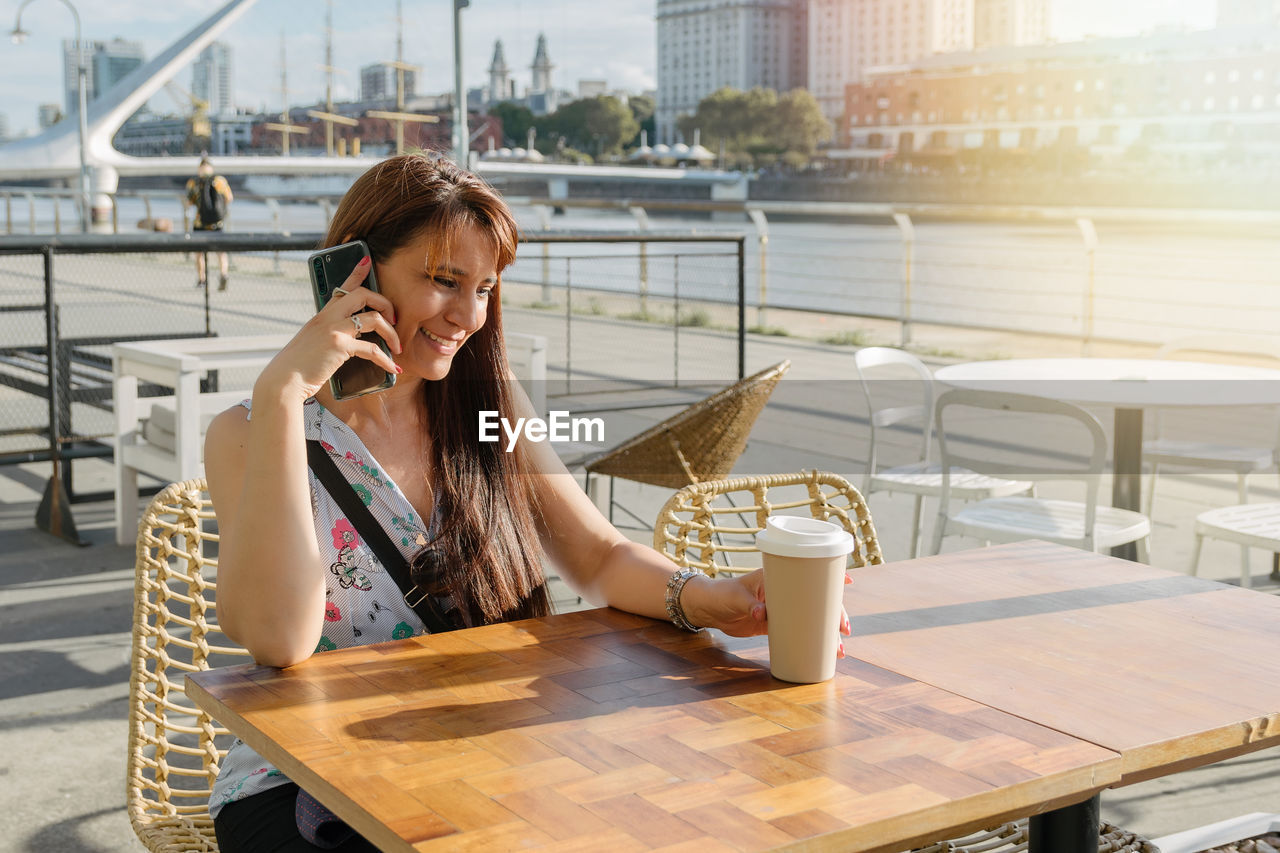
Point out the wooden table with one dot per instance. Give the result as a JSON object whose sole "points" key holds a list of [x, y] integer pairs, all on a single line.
{"points": [[982, 685], [1129, 385], [600, 730]]}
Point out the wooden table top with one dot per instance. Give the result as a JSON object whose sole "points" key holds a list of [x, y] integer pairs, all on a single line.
{"points": [[1168, 670], [602, 730]]}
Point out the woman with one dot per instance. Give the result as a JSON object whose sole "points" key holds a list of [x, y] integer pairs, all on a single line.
{"points": [[293, 575]]}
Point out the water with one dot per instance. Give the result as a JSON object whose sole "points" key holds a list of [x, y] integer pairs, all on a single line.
{"points": [[1149, 283]]}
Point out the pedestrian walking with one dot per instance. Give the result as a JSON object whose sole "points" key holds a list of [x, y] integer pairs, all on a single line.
{"points": [[210, 195]]}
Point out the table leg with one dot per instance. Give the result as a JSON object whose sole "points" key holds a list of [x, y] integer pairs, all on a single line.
{"points": [[1126, 482], [1070, 829]]}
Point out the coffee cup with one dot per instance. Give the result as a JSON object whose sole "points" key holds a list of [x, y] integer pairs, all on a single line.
{"points": [[804, 561]]}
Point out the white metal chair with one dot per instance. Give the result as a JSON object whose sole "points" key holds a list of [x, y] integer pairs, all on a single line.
{"points": [[1082, 524], [1210, 456], [922, 477], [1248, 525]]}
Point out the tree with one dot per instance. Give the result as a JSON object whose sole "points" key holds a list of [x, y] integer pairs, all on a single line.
{"points": [[597, 125], [642, 109], [798, 124], [758, 126], [516, 121]]}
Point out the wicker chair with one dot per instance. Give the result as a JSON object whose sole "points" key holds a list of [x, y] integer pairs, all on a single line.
{"points": [[690, 532], [701, 443], [694, 529], [1014, 838], [174, 748]]}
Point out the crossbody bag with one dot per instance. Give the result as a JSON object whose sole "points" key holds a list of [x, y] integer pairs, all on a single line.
{"points": [[429, 607]]}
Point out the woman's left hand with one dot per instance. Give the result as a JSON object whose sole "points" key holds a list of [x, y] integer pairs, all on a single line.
{"points": [[732, 605], [736, 606]]}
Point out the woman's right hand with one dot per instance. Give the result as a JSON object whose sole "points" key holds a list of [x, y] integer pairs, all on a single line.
{"points": [[327, 340]]}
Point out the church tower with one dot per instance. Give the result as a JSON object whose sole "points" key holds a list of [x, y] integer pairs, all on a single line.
{"points": [[541, 67], [499, 75]]}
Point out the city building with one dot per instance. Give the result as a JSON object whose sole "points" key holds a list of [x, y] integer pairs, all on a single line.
{"points": [[4, 127], [230, 133], [540, 97], [501, 86], [541, 67], [848, 36], [706, 45], [378, 82], [106, 63], [153, 136], [592, 88], [47, 115], [211, 78], [999, 23], [1190, 98], [70, 69]]}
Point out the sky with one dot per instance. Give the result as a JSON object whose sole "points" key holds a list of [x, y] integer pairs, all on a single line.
{"points": [[611, 40]]}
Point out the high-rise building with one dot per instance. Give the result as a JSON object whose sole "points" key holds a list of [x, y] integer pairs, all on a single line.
{"points": [[848, 36], [106, 63], [705, 45], [378, 82], [47, 115], [4, 127], [70, 68], [1005, 23], [211, 78]]}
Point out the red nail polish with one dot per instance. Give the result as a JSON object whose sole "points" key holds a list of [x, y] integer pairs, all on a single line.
{"points": [[365, 261], [399, 369]]}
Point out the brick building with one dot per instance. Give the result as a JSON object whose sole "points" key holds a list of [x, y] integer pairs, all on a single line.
{"points": [[1182, 94]]}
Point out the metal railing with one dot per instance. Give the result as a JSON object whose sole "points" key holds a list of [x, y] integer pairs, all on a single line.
{"points": [[1090, 275], [66, 299]]}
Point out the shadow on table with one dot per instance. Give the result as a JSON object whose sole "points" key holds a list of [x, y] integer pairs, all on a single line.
{"points": [[657, 689], [1014, 607]]}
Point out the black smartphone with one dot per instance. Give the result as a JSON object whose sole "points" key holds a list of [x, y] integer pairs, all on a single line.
{"points": [[329, 268]]}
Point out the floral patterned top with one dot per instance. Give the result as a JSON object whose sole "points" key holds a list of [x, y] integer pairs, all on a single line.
{"points": [[363, 604]]}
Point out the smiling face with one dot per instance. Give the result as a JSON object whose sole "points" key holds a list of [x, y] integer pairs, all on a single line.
{"points": [[439, 303]]}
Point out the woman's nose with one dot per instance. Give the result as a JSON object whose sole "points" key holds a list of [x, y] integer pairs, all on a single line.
{"points": [[465, 311]]}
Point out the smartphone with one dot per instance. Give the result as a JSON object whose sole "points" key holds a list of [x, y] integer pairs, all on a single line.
{"points": [[329, 268]]}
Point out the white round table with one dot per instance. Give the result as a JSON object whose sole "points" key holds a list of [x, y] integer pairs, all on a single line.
{"points": [[1129, 385]]}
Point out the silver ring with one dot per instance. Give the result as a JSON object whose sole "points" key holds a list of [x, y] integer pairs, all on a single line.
{"points": [[355, 318], [338, 291]]}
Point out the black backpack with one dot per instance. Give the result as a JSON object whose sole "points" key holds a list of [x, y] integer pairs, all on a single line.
{"points": [[211, 204]]}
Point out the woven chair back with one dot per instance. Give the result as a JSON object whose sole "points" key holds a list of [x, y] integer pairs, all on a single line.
{"points": [[710, 527], [701, 443], [174, 747]]}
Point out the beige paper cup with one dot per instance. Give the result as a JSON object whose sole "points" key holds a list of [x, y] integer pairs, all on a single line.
{"points": [[804, 561]]}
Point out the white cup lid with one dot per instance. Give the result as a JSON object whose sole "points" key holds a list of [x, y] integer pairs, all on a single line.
{"points": [[793, 536]]}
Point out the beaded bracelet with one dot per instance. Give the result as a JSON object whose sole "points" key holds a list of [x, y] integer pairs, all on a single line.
{"points": [[675, 610]]}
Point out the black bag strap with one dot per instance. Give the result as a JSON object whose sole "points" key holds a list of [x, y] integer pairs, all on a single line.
{"points": [[427, 608]]}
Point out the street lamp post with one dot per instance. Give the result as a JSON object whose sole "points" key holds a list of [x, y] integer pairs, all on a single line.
{"points": [[461, 137], [19, 35]]}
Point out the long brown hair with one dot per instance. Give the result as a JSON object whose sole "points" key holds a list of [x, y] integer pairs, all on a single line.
{"points": [[486, 549]]}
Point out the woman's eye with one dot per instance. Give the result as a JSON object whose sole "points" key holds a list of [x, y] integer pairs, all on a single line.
{"points": [[444, 282], [485, 292]]}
